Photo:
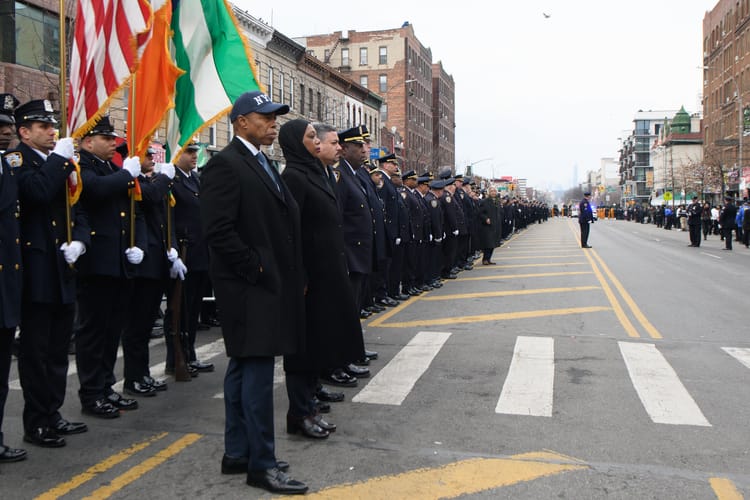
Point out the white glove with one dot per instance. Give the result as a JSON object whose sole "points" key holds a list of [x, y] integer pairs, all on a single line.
{"points": [[73, 178], [455, 232], [178, 270], [134, 254], [71, 251], [438, 240], [398, 241], [166, 169], [430, 238], [64, 147], [172, 255], [133, 165]]}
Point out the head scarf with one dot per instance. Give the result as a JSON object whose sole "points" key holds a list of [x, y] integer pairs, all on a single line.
{"points": [[290, 139]]}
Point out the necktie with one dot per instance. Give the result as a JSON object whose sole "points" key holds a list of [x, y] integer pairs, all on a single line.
{"points": [[262, 160]]}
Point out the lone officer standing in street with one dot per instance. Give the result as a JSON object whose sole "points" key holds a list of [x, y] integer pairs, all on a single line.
{"points": [[694, 211], [585, 217]]}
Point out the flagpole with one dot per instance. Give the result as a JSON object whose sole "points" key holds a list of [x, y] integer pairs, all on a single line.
{"points": [[64, 118], [130, 139]]}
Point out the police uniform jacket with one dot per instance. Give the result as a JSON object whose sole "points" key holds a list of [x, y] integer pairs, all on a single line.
{"points": [[416, 213], [106, 202], [436, 215], [490, 233], [467, 206], [584, 212], [404, 218], [333, 328], [380, 251], [47, 278], [252, 228], [187, 217], [154, 204], [427, 217], [10, 249], [694, 214], [390, 206], [454, 216], [357, 218], [727, 216]]}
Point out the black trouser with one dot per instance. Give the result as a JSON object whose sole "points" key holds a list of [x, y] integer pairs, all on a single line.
{"points": [[300, 388], [449, 253], [585, 228], [6, 343], [359, 286], [192, 290], [102, 307], [487, 254], [707, 226], [410, 267], [727, 232], [695, 234], [462, 251], [435, 251], [380, 279], [43, 361], [144, 304], [420, 271], [396, 270]]}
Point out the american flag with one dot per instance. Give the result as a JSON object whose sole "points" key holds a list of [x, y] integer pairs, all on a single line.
{"points": [[103, 55]]}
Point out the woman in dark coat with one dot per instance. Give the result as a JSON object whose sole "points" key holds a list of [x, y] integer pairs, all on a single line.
{"points": [[334, 333], [490, 229]]}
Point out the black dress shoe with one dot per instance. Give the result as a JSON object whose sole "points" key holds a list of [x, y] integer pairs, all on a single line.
{"points": [[326, 426], [45, 437], [102, 409], [62, 426], [401, 296], [232, 465], [413, 292], [305, 426], [587, 246], [158, 385], [11, 454], [339, 377], [276, 481], [325, 394], [357, 371], [320, 406], [376, 308], [122, 403], [436, 284], [364, 314], [135, 388], [201, 366], [362, 362], [371, 354], [387, 302]]}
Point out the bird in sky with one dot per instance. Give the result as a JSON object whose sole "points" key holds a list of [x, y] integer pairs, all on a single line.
{"points": [[546, 16]]}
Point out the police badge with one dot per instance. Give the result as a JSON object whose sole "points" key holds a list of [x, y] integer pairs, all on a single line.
{"points": [[433, 203], [14, 159]]}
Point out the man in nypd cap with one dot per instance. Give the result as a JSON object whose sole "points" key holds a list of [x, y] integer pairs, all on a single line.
{"points": [[44, 173], [252, 226], [8, 104]]}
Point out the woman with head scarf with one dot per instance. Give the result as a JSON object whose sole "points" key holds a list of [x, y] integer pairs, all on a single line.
{"points": [[334, 333]]}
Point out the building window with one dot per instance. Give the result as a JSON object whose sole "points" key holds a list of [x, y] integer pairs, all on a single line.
{"points": [[363, 56], [345, 57], [30, 37], [326, 55], [281, 88], [363, 81], [320, 108], [383, 83], [310, 104], [383, 55], [212, 135], [270, 83], [291, 92]]}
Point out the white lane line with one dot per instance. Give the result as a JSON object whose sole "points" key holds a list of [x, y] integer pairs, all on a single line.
{"points": [[741, 354], [278, 377], [394, 382], [15, 384], [711, 255], [528, 388], [664, 397], [203, 353]]}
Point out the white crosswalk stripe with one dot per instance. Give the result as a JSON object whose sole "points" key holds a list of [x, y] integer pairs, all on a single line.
{"points": [[528, 388], [741, 354], [664, 397], [394, 382]]}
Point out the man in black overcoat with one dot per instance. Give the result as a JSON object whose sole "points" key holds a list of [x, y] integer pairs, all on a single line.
{"points": [[252, 226]]}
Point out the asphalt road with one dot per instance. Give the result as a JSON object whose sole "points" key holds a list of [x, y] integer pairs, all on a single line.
{"points": [[622, 371]]}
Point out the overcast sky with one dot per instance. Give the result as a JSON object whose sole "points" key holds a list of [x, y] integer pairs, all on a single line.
{"points": [[542, 97]]}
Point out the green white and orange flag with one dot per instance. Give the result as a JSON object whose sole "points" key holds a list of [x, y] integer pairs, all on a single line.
{"points": [[209, 46], [153, 84]]}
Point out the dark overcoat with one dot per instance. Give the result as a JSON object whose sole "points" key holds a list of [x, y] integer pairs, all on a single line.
{"points": [[155, 204], [377, 209], [47, 278], [187, 219], [490, 234], [253, 233], [10, 250], [334, 332]]}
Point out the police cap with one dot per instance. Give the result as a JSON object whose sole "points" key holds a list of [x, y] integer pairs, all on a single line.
{"points": [[103, 127], [8, 104], [411, 174], [39, 110], [351, 136]]}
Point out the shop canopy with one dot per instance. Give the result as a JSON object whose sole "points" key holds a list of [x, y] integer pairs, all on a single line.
{"points": [[678, 200]]}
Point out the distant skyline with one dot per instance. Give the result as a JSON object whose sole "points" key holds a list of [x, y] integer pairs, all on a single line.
{"points": [[540, 96]]}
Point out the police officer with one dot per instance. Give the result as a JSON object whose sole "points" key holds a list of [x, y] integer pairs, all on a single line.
{"points": [[387, 165], [8, 104], [694, 211], [187, 216], [417, 217], [435, 252], [106, 269], [150, 282], [585, 218], [53, 235], [453, 222], [10, 275], [396, 289]]}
